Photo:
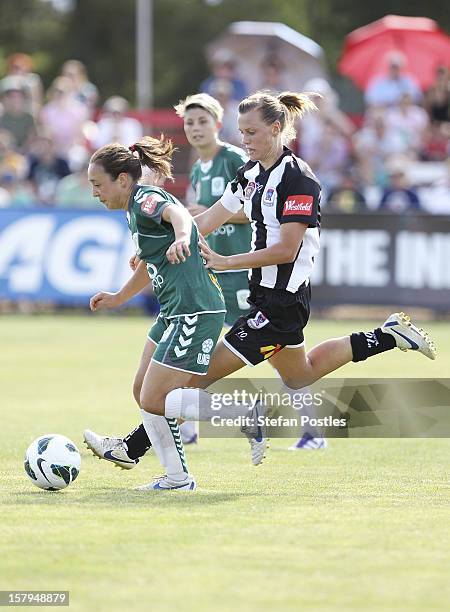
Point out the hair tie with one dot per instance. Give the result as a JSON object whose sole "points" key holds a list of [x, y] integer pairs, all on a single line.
{"points": [[132, 148]]}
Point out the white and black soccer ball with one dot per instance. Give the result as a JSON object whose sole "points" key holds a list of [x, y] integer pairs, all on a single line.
{"points": [[52, 462]]}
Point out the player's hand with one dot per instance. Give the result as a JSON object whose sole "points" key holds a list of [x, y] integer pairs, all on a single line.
{"points": [[134, 262], [104, 300], [196, 209], [213, 259], [178, 251]]}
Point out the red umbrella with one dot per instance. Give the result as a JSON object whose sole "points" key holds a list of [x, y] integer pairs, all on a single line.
{"points": [[419, 39]]}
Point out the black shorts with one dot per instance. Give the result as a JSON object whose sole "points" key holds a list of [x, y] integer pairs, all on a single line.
{"points": [[276, 320]]}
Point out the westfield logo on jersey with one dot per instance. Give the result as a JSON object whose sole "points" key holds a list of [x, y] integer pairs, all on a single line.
{"points": [[298, 205]]}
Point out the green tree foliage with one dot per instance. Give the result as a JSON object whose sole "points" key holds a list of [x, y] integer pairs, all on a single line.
{"points": [[101, 33]]}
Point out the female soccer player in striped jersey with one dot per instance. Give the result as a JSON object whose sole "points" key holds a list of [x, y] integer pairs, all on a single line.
{"points": [[281, 196]]}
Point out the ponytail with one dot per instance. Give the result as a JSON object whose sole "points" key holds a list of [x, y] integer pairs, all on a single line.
{"points": [[154, 153]]}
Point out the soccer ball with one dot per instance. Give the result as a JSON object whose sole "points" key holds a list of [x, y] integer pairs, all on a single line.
{"points": [[52, 462]]}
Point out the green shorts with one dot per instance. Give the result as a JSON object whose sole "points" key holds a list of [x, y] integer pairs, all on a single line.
{"points": [[235, 292], [186, 343]]}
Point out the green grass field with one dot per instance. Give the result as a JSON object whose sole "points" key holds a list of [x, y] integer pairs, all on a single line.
{"points": [[363, 525]]}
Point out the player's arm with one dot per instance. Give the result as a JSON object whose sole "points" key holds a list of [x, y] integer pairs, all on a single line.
{"points": [[105, 299], [181, 221], [284, 251], [213, 218]]}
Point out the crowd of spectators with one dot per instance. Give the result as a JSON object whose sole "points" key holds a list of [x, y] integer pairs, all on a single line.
{"points": [[392, 158]]}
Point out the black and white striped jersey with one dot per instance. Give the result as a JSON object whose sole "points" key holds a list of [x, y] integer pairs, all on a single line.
{"points": [[288, 192]]}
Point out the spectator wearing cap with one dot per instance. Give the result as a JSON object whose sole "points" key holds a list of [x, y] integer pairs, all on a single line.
{"points": [[63, 117], [16, 119], [387, 89], [19, 66], [115, 126], [223, 66]]}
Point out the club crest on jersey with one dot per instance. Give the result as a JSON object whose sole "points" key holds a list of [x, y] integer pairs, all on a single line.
{"points": [[148, 206], [298, 205], [249, 190], [258, 321], [269, 197], [217, 186]]}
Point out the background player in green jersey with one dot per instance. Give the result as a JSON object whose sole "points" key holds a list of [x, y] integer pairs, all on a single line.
{"points": [[191, 301], [216, 167]]}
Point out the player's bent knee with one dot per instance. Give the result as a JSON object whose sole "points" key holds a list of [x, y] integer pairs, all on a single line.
{"points": [[152, 403]]}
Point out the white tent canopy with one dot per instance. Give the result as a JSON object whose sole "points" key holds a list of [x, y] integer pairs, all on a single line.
{"points": [[251, 42]]}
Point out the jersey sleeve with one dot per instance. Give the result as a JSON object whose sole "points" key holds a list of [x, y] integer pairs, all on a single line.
{"points": [[233, 196], [152, 207], [300, 201]]}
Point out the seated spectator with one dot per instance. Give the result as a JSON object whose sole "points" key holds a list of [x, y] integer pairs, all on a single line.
{"points": [[387, 89], [373, 145], [409, 120], [19, 67], [16, 193], [16, 119], [346, 197], [437, 97], [63, 116], [398, 197], [47, 168], [223, 66], [12, 164], [436, 142], [115, 126], [312, 125], [75, 190], [272, 77], [81, 88], [330, 157], [229, 132]]}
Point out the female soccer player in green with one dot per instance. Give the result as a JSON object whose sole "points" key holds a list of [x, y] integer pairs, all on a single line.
{"points": [[192, 306], [217, 165]]}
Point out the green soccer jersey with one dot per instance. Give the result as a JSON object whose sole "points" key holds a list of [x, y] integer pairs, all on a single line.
{"points": [[209, 181], [185, 288]]}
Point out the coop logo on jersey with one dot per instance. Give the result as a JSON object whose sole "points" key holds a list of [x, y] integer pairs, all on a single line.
{"points": [[148, 206], [269, 197], [157, 279], [258, 321], [207, 345], [298, 205]]}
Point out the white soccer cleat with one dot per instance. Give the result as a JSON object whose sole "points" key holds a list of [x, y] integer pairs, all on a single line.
{"points": [[258, 447], [164, 483], [110, 449], [407, 336], [309, 442], [256, 434]]}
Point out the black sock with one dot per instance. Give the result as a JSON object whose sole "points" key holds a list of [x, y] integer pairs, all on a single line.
{"points": [[137, 442], [367, 344]]}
